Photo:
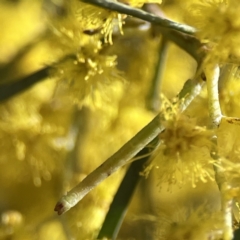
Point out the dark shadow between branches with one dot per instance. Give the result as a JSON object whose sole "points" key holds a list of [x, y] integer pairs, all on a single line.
{"points": [[13, 88], [122, 198]]}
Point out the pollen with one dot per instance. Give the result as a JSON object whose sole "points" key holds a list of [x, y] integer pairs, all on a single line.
{"points": [[184, 152]]}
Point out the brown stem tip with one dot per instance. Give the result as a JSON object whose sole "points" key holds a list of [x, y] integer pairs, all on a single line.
{"points": [[59, 208]]}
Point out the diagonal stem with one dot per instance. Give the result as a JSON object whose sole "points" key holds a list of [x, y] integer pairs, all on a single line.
{"points": [[119, 206], [138, 13], [188, 43], [8, 90], [124, 154], [122, 198]]}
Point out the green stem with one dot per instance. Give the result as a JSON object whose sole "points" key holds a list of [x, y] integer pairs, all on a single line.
{"points": [[138, 13], [188, 43], [123, 155], [119, 205], [10, 89], [212, 72], [122, 198], [153, 99]]}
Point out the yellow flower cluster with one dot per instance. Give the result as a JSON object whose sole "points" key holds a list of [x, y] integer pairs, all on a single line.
{"points": [[218, 24], [184, 152], [190, 224], [85, 73], [82, 38], [28, 137]]}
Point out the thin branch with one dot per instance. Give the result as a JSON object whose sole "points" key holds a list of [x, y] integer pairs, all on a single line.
{"points": [[119, 205], [227, 72], [226, 199], [123, 155], [14, 87], [111, 165], [153, 100], [122, 198], [212, 73], [12, 67], [10, 89], [74, 139], [188, 43], [138, 13]]}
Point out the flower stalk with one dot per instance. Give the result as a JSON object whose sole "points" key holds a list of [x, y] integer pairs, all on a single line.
{"points": [[138, 13], [123, 156]]}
